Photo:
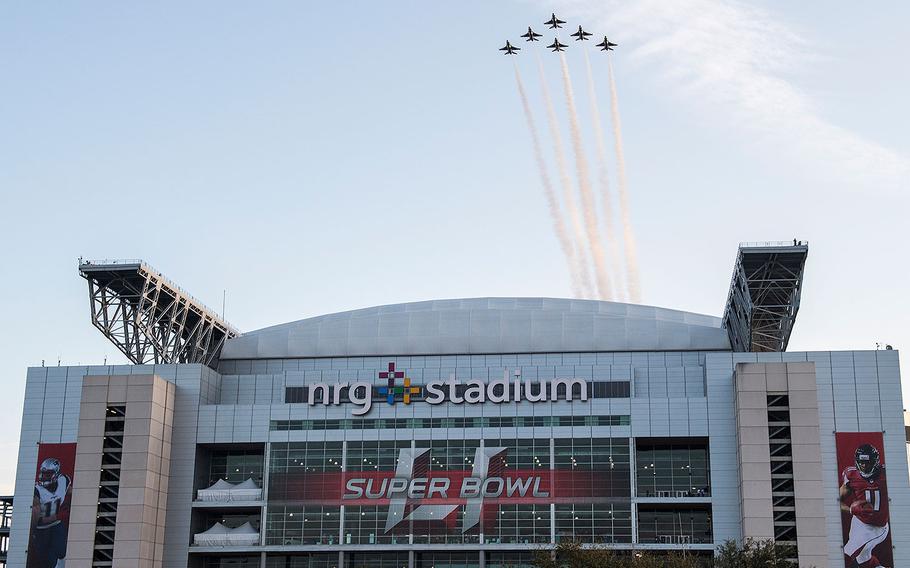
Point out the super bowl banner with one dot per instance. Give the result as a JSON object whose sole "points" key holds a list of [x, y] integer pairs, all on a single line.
{"points": [[864, 499], [51, 505], [415, 493]]}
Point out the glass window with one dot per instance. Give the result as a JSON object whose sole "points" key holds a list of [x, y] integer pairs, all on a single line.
{"points": [[510, 560], [235, 466], [376, 560], [301, 560], [518, 524], [230, 561], [448, 532], [296, 525], [674, 526], [305, 456], [447, 560], [375, 455], [450, 455], [230, 520], [293, 395], [673, 470], [597, 523], [290, 463], [523, 453], [366, 525], [600, 466]]}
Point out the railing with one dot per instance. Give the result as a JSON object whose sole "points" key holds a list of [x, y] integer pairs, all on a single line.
{"points": [[675, 493], [754, 244], [108, 261], [674, 539]]}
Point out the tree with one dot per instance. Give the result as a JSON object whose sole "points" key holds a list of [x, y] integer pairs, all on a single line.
{"points": [[752, 554], [575, 555]]}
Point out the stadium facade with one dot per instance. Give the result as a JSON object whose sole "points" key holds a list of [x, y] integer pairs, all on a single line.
{"points": [[462, 433]]}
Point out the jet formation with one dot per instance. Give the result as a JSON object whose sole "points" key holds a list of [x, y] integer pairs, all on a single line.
{"points": [[557, 46]]}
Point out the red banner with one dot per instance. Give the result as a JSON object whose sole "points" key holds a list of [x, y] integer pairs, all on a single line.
{"points": [[517, 486], [51, 505], [864, 499]]}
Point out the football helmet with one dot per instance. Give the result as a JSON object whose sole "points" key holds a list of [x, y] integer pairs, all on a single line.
{"points": [[49, 472], [868, 460]]}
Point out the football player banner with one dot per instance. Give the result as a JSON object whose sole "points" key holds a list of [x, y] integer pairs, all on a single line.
{"points": [[864, 500], [51, 505]]}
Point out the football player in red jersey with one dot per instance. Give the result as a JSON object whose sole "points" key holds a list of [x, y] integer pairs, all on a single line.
{"points": [[864, 495]]}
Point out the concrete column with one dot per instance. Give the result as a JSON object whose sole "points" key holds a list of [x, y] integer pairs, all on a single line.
{"points": [[264, 511], [811, 525], [751, 398], [753, 383], [144, 471]]}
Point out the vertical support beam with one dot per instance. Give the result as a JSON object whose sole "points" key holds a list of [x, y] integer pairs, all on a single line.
{"points": [[634, 485]]}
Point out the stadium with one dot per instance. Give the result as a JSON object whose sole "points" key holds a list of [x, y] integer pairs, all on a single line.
{"points": [[459, 433]]}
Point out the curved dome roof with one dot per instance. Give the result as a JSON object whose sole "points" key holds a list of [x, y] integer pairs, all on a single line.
{"points": [[484, 325]]}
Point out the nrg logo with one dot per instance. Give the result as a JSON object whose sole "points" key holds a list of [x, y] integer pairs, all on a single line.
{"points": [[391, 391]]}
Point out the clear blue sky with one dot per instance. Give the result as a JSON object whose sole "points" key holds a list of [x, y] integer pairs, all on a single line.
{"points": [[311, 158]]}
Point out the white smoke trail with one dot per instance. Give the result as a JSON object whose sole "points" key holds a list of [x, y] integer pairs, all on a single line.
{"points": [[559, 226], [715, 56], [584, 184], [613, 253], [566, 181], [628, 235]]}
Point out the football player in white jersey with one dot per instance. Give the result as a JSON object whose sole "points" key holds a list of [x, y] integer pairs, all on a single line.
{"points": [[50, 515]]}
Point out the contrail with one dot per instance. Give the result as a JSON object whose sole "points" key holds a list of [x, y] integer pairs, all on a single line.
{"points": [[628, 234], [552, 201], [614, 254], [574, 216], [584, 184]]}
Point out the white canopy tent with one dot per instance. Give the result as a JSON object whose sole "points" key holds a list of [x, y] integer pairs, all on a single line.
{"points": [[223, 490], [220, 535]]}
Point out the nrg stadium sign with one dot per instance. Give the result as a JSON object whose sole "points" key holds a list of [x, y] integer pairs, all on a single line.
{"points": [[507, 389]]}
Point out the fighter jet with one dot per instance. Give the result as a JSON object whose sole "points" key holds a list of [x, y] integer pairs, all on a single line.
{"points": [[554, 22], [509, 49], [556, 46], [531, 35], [581, 35], [606, 45]]}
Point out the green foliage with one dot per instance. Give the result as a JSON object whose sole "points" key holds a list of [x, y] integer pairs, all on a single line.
{"points": [[574, 555], [752, 554]]}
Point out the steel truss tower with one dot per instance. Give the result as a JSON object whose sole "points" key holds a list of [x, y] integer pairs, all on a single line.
{"points": [[149, 318], [764, 295]]}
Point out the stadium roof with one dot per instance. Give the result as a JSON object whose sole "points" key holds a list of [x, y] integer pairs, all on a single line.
{"points": [[484, 325]]}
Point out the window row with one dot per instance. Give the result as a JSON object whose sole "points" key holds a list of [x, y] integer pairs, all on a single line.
{"points": [[396, 559], [453, 422], [595, 454], [603, 523]]}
